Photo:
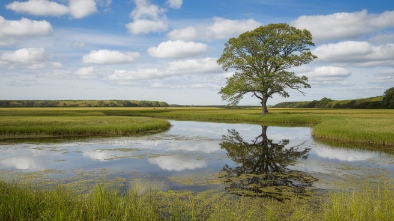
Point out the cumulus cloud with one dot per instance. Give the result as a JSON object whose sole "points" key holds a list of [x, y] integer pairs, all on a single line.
{"points": [[194, 66], [39, 8], [86, 72], [361, 54], [343, 25], [147, 18], [82, 8], [175, 68], [25, 55], [76, 8], [219, 28], [10, 30], [177, 49], [175, 3], [109, 57], [328, 75], [331, 72], [31, 58]]}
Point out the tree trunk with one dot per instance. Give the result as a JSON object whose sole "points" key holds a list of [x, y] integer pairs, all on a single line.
{"points": [[264, 109]]}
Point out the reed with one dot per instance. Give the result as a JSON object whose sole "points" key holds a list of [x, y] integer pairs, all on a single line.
{"points": [[38, 123], [58, 203]]}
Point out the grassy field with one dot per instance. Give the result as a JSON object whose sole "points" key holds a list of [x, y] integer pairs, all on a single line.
{"points": [[357, 126], [28, 203], [35, 122]]}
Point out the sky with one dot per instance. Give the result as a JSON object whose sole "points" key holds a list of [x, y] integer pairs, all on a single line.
{"points": [[166, 50]]}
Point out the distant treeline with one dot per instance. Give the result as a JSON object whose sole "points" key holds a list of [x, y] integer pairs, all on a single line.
{"points": [[81, 103], [364, 103]]}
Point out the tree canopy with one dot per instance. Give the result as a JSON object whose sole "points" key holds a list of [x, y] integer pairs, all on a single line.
{"points": [[262, 59], [388, 98]]}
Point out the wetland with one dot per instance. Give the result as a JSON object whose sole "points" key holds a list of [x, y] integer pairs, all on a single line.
{"points": [[203, 164], [199, 156]]}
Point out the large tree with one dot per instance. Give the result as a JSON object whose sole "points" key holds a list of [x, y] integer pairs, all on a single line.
{"points": [[388, 98], [262, 59]]}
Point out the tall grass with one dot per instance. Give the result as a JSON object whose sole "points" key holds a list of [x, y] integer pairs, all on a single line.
{"points": [[28, 203], [44, 123]]}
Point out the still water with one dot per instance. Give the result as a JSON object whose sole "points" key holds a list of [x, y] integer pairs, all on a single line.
{"points": [[193, 155]]}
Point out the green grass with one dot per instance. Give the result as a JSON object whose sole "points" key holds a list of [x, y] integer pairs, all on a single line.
{"points": [[58, 203], [15, 123]]}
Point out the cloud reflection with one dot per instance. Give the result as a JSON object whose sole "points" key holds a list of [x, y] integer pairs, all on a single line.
{"points": [[177, 163], [24, 163], [344, 154], [104, 155]]}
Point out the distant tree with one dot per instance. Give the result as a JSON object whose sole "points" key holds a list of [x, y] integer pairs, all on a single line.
{"points": [[324, 102], [388, 98], [262, 58]]}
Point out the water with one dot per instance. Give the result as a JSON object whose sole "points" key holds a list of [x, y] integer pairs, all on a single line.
{"points": [[193, 155]]}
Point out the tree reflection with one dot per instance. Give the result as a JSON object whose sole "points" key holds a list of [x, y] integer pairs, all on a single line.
{"points": [[262, 167]]}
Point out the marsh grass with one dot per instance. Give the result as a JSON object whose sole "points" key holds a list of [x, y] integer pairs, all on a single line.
{"points": [[24, 202], [35, 122]]}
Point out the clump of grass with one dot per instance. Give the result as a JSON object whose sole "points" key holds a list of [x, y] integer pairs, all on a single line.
{"points": [[367, 204], [28, 203], [59, 203], [44, 126]]}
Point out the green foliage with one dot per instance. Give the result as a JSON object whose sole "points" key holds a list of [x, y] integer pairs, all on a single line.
{"points": [[363, 103], [81, 103], [20, 202], [388, 99], [261, 58]]}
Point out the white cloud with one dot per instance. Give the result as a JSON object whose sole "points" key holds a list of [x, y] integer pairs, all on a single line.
{"points": [[343, 50], [328, 76], [344, 25], [177, 49], [128, 75], [82, 8], [109, 57], [31, 58], [220, 28], [177, 163], [147, 18], [331, 72], [175, 3], [25, 55], [10, 30], [39, 8], [76, 8], [175, 68], [86, 73], [360, 54], [195, 66]]}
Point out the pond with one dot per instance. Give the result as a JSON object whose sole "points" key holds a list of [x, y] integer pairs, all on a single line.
{"points": [[239, 158]]}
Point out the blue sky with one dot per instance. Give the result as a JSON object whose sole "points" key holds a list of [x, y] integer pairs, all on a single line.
{"points": [[167, 49]]}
